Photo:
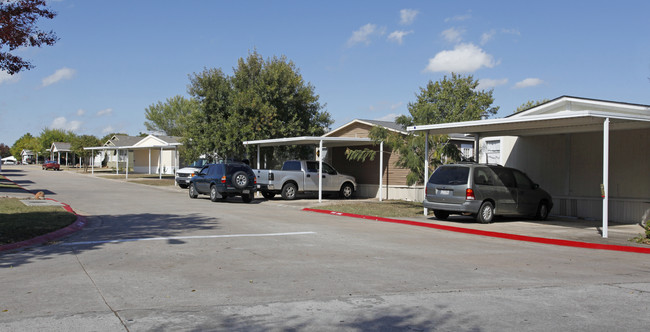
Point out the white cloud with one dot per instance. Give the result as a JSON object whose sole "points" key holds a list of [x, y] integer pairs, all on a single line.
{"points": [[453, 35], [526, 83], [511, 32], [487, 36], [62, 123], [464, 58], [488, 83], [364, 34], [61, 74], [398, 36], [407, 16], [108, 129], [458, 18], [81, 112], [107, 111], [6, 78], [388, 117]]}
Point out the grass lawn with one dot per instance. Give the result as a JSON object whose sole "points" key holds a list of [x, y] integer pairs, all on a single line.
{"points": [[19, 222], [386, 209]]}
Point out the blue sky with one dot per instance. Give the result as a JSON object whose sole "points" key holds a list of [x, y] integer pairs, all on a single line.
{"points": [[366, 59]]}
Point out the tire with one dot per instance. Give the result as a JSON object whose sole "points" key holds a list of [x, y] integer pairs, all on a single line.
{"points": [[247, 198], [268, 195], [289, 191], [346, 191], [440, 214], [485, 213], [240, 180], [193, 193], [542, 211], [214, 195]]}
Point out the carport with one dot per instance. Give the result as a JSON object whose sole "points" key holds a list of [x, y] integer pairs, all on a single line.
{"points": [[563, 116], [127, 148], [321, 142]]}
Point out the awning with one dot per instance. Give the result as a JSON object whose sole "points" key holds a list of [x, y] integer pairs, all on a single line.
{"points": [[545, 124], [321, 141]]}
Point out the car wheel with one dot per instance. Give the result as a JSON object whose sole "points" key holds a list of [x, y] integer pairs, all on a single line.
{"points": [[346, 191], [247, 198], [485, 213], [214, 196], [193, 192], [289, 191], [440, 214], [240, 180], [542, 211], [268, 195]]}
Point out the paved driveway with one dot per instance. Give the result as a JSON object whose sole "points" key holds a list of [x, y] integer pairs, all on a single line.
{"points": [[153, 259]]}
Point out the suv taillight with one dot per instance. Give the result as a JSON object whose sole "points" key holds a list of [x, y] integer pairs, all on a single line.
{"points": [[223, 179], [469, 194]]}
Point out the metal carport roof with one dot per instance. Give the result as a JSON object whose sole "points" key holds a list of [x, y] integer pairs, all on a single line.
{"points": [[321, 141]]}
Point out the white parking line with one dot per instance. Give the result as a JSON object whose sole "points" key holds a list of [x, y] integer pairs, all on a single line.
{"points": [[185, 238]]}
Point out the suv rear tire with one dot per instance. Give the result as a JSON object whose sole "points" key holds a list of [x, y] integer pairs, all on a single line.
{"points": [[247, 198], [214, 195], [240, 180]]}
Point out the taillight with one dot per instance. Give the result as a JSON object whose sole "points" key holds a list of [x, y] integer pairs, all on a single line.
{"points": [[254, 180], [223, 179], [469, 194]]}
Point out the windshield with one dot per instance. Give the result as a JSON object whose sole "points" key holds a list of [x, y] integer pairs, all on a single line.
{"points": [[199, 163]]}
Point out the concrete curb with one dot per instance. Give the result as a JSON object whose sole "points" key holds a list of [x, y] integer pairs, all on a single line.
{"points": [[78, 225], [557, 242]]}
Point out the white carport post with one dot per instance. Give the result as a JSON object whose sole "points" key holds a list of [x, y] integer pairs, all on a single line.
{"points": [[127, 164], [426, 169], [160, 164], [381, 170], [258, 156], [320, 171], [605, 176], [117, 164], [149, 161]]}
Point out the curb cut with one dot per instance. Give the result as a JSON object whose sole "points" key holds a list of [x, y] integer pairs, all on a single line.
{"points": [[78, 225], [525, 238]]}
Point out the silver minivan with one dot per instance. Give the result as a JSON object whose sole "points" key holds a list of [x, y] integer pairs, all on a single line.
{"points": [[484, 191]]}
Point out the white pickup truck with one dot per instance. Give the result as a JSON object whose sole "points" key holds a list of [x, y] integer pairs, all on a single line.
{"points": [[300, 176]]}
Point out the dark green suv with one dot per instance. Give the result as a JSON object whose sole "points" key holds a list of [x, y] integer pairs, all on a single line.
{"points": [[223, 180]]}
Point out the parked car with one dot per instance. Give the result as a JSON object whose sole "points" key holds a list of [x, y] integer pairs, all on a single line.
{"points": [[223, 180], [298, 176], [484, 191], [184, 174], [51, 164]]}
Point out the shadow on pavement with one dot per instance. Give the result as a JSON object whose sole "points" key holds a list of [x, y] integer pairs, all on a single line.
{"points": [[110, 228]]}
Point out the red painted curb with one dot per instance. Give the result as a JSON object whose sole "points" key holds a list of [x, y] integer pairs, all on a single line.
{"points": [[79, 224], [557, 242]]}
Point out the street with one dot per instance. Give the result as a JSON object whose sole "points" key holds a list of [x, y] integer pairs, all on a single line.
{"points": [[151, 258]]}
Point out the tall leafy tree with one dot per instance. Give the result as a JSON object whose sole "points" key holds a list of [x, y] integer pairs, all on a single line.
{"points": [[79, 143], [5, 150], [262, 99], [18, 29], [49, 136], [168, 117], [452, 99], [25, 142]]}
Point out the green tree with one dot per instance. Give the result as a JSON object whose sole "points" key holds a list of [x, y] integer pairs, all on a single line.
{"points": [[25, 142], [452, 99], [263, 99], [529, 104], [79, 143], [49, 136], [169, 117], [18, 30]]}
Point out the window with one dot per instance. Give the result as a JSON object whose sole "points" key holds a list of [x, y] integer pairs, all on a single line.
{"points": [[505, 176], [483, 176], [467, 150], [291, 166], [451, 175], [493, 152], [522, 180]]}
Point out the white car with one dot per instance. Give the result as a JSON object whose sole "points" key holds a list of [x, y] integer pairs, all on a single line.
{"points": [[184, 174]]}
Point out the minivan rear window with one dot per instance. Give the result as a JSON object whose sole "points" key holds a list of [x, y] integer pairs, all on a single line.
{"points": [[452, 175]]}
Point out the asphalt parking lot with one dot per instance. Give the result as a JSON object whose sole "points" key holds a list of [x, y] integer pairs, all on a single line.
{"points": [[153, 259]]}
